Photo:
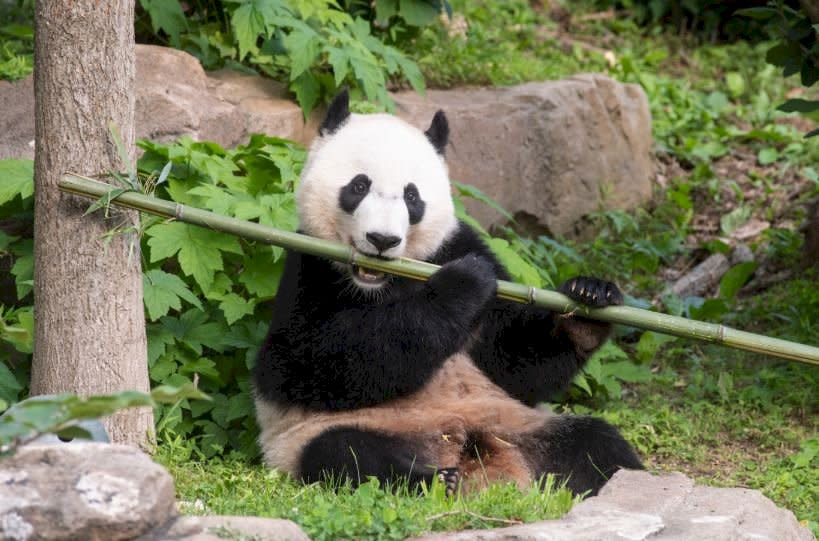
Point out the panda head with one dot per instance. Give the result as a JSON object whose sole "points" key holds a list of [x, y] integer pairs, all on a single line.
{"points": [[378, 184]]}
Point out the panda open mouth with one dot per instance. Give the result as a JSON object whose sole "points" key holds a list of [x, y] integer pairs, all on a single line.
{"points": [[367, 277]]}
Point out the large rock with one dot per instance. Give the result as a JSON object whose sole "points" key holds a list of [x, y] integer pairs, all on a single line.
{"points": [[638, 506], [548, 152], [89, 491], [176, 97]]}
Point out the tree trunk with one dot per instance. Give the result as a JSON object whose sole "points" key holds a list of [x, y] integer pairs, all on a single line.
{"points": [[90, 323]]}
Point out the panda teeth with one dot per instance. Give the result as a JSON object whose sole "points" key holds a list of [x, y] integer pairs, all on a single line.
{"points": [[368, 275]]}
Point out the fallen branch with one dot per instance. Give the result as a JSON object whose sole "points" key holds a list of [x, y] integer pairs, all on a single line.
{"points": [[419, 270]]}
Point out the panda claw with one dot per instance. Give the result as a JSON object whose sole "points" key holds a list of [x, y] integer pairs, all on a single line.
{"points": [[451, 478], [592, 292]]}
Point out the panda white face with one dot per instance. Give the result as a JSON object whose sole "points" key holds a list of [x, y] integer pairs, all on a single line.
{"points": [[378, 184]]}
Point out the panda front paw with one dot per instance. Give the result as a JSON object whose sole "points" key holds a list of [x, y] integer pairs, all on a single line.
{"points": [[471, 280], [451, 479], [592, 292]]}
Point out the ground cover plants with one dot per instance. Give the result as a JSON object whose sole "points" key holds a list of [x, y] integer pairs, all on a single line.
{"points": [[731, 170]]}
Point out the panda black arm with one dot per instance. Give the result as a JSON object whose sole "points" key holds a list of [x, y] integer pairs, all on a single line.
{"points": [[531, 352], [325, 353]]}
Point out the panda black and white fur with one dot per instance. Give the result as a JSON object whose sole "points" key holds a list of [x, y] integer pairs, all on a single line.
{"points": [[364, 374]]}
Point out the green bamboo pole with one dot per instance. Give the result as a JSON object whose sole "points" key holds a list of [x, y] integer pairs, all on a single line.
{"points": [[626, 315]]}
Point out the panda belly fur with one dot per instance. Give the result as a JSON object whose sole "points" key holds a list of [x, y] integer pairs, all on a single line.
{"points": [[459, 419]]}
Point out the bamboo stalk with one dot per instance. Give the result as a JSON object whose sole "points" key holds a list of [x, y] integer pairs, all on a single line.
{"points": [[419, 270]]}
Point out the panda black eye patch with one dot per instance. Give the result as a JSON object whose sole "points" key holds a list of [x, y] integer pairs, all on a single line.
{"points": [[415, 205], [353, 193]]}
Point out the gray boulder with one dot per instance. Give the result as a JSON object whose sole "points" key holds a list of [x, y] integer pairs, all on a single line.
{"points": [[637, 506], [548, 152], [90, 491]]}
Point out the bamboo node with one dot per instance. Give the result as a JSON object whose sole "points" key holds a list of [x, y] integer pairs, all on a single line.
{"points": [[531, 295], [179, 211]]}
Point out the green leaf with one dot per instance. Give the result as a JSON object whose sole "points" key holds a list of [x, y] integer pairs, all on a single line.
{"points": [[235, 307], [168, 394], [247, 24], [759, 13], [767, 156], [303, 44], [520, 270], [798, 105], [735, 83], [105, 200], [74, 432], [650, 342], [736, 277], [16, 178], [307, 90], [166, 15], [628, 371], [162, 291], [199, 250], [261, 274], [786, 55], [9, 386], [239, 406], [417, 12], [384, 9], [23, 272], [734, 219], [467, 190], [340, 61]]}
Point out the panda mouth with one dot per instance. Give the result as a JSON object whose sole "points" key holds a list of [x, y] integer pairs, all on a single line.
{"points": [[367, 277]]}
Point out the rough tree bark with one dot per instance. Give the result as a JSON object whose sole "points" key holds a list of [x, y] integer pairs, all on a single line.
{"points": [[90, 325]]}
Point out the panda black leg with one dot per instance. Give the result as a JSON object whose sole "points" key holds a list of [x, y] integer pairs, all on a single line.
{"points": [[585, 451], [354, 453]]}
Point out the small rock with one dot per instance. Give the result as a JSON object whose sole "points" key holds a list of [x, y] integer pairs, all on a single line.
{"points": [[750, 230], [741, 254], [219, 528], [89, 491]]}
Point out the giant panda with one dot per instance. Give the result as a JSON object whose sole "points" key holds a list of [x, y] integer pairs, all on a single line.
{"points": [[366, 374]]}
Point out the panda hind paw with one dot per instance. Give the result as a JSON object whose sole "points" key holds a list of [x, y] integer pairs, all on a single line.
{"points": [[451, 479], [592, 292]]}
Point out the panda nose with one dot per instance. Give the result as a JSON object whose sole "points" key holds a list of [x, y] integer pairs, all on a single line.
{"points": [[383, 242]]}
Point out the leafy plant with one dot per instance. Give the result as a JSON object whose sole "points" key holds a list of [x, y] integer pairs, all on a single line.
{"points": [[797, 50], [16, 39], [58, 414], [400, 20], [315, 46]]}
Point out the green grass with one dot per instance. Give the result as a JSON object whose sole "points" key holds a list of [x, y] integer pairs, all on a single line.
{"points": [[231, 486]]}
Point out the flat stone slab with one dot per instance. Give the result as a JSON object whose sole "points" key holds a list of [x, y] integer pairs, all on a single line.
{"points": [[220, 528], [638, 506]]}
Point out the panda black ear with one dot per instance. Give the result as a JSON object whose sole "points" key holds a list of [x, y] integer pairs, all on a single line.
{"points": [[438, 132], [337, 113]]}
